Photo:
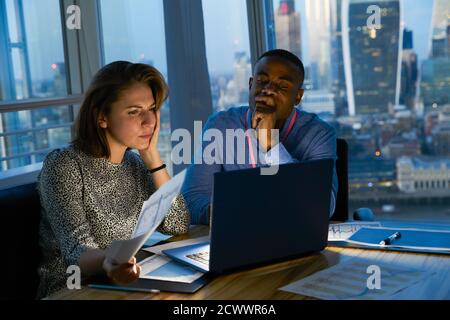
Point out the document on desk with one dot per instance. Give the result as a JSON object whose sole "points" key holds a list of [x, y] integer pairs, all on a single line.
{"points": [[343, 231], [163, 268], [175, 244], [152, 214], [354, 280]]}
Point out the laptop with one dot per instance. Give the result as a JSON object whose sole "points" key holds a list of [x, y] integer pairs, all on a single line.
{"points": [[258, 219]]}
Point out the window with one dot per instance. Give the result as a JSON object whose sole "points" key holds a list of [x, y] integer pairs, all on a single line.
{"points": [[32, 66], [227, 51], [386, 93], [136, 33]]}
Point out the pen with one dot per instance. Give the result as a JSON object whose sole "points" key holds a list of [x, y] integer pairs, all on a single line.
{"points": [[391, 238]]}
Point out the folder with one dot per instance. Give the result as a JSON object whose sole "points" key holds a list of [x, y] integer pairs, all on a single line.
{"points": [[414, 240]]}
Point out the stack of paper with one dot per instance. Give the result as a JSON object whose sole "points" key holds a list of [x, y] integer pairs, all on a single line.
{"points": [[343, 231], [160, 267]]}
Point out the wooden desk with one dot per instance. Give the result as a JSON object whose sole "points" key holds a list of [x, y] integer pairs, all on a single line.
{"points": [[263, 282]]}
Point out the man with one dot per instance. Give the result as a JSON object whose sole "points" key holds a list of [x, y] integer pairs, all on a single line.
{"points": [[275, 90]]}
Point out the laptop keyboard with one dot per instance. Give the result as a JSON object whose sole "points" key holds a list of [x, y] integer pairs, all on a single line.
{"points": [[202, 257]]}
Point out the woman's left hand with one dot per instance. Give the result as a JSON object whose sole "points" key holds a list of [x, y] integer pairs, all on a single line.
{"points": [[151, 155]]}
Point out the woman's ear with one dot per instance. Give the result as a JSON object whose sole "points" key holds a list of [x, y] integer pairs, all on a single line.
{"points": [[102, 121]]}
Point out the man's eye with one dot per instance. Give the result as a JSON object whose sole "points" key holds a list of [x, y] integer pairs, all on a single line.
{"points": [[283, 86]]}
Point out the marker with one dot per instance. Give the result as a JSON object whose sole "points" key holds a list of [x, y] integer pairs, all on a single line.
{"points": [[391, 238]]}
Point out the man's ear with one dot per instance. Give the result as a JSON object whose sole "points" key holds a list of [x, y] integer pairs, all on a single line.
{"points": [[299, 96], [250, 82], [102, 122]]}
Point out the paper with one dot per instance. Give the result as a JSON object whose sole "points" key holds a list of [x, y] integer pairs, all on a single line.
{"points": [[152, 214], [175, 244], [343, 231], [411, 238], [157, 206], [163, 268], [351, 281]]}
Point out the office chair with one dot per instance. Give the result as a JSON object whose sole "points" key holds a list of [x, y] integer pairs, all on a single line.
{"points": [[341, 211], [20, 216]]}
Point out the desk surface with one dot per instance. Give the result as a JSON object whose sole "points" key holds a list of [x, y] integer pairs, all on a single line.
{"points": [[263, 282]]}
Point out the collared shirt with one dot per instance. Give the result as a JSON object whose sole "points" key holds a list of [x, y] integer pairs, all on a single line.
{"points": [[310, 139]]}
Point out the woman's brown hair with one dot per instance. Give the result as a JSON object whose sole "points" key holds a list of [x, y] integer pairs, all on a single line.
{"points": [[105, 89]]}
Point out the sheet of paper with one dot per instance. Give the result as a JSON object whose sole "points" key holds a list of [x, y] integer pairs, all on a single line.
{"points": [[157, 206], [350, 281], [175, 244], [152, 214], [159, 267], [343, 231], [121, 251]]}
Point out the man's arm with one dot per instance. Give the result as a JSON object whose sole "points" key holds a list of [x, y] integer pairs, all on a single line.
{"points": [[198, 184], [323, 146]]}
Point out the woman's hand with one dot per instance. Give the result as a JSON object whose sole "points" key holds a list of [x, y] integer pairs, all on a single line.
{"points": [[122, 273], [150, 155], [152, 158]]}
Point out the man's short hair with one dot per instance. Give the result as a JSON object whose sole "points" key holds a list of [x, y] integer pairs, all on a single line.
{"points": [[289, 56]]}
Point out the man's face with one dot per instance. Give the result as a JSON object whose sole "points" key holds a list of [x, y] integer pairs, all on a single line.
{"points": [[275, 87]]}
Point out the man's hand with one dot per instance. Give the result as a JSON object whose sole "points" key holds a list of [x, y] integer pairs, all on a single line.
{"points": [[264, 122]]}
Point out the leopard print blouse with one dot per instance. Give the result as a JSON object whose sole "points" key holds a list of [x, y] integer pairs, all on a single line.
{"points": [[87, 203]]}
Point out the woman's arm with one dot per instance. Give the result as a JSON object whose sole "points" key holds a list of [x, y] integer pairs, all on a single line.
{"points": [[61, 197], [154, 161], [91, 261]]}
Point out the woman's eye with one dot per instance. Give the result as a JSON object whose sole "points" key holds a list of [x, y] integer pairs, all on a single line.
{"points": [[133, 113], [261, 80]]}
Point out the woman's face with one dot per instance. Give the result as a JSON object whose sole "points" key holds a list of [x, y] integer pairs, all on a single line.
{"points": [[132, 119]]}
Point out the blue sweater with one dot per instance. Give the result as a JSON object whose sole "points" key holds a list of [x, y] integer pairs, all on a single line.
{"points": [[310, 139]]}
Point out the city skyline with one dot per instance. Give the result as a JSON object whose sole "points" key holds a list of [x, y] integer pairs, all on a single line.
{"points": [[375, 140], [220, 54]]}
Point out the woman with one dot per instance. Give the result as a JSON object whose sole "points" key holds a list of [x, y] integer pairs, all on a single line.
{"points": [[92, 191]]}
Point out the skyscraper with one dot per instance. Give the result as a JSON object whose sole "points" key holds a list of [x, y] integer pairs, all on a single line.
{"points": [[440, 25], [236, 91], [372, 56], [409, 75], [435, 82], [318, 24], [338, 87], [287, 27]]}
